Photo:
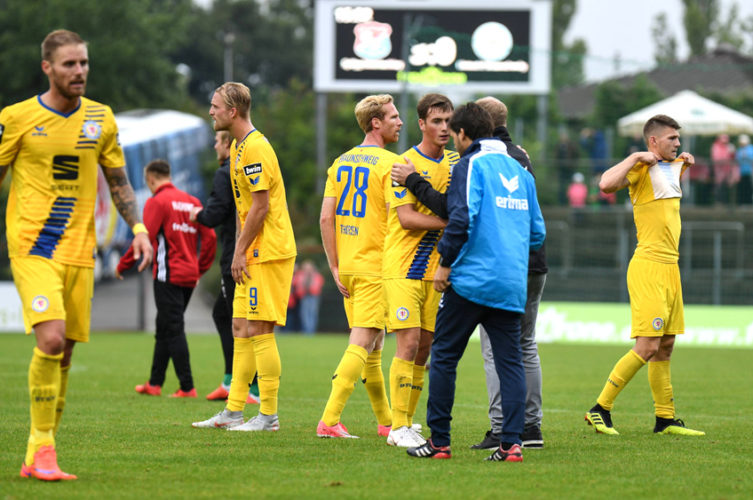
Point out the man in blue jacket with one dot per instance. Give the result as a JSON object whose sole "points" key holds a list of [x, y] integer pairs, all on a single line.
{"points": [[494, 220]]}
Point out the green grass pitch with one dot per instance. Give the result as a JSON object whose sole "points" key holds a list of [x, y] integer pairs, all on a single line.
{"points": [[125, 445]]}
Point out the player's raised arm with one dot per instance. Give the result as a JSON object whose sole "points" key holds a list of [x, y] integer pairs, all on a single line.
{"points": [[615, 178], [124, 198]]}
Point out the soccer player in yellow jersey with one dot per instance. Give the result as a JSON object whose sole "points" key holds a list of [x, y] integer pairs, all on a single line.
{"points": [[653, 276], [353, 223], [262, 263], [53, 144], [410, 260]]}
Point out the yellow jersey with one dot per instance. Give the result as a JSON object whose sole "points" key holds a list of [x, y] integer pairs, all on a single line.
{"points": [[54, 159], [655, 193], [357, 180], [412, 254], [254, 167]]}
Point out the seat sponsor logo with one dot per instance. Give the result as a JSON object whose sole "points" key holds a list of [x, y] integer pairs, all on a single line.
{"points": [[65, 168]]}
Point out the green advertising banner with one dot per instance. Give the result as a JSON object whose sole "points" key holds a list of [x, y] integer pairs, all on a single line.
{"points": [[588, 322]]}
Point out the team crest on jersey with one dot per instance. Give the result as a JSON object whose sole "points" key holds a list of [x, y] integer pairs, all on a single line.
{"points": [[254, 168], [40, 303], [402, 313], [92, 129], [254, 180], [657, 323], [39, 131], [401, 194]]}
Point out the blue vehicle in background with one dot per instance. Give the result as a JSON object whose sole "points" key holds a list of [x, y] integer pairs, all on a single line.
{"points": [[145, 135]]}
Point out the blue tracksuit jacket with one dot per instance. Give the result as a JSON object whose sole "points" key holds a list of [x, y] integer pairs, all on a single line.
{"points": [[494, 220]]}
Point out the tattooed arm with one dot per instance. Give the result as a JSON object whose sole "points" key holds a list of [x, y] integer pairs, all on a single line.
{"points": [[125, 201]]}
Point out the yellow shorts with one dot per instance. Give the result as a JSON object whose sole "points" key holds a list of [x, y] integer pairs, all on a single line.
{"points": [[365, 308], [655, 299], [50, 290], [264, 296], [411, 304]]}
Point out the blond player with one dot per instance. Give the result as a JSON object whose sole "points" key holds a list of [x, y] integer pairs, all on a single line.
{"points": [[653, 276], [410, 259], [353, 222], [53, 144], [262, 265]]}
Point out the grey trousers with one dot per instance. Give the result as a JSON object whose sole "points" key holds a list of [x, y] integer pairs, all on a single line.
{"points": [[531, 361]]}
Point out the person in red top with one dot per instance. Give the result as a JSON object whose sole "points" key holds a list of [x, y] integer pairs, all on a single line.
{"points": [[184, 250]]}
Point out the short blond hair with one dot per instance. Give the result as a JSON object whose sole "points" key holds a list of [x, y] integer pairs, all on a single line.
{"points": [[56, 39], [236, 95], [371, 107], [496, 109], [224, 137]]}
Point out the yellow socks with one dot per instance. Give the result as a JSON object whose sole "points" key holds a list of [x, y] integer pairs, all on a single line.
{"points": [[417, 386], [44, 386], [621, 374], [343, 382], [373, 380], [269, 370], [244, 367], [661, 388], [61, 396], [401, 381]]}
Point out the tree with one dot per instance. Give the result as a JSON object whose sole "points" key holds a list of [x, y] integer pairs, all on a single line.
{"points": [[567, 60], [699, 18], [129, 47], [665, 43], [730, 30]]}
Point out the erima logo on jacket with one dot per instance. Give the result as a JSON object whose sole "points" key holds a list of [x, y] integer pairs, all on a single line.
{"points": [[508, 202]]}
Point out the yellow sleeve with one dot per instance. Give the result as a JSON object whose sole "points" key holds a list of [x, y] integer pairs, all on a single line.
{"points": [[112, 154], [10, 137], [258, 168], [329, 187]]}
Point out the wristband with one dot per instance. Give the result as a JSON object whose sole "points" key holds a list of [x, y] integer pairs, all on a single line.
{"points": [[139, 228]]}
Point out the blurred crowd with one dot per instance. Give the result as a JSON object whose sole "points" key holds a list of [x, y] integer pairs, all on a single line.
{"points": [[722, 176]]}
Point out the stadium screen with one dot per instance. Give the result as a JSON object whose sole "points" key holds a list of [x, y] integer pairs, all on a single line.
{"points": [[384, 46]]}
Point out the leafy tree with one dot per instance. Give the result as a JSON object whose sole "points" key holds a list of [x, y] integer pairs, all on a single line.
{"points": [[730, 30], [665, 43], [129, 44], [567, 60], [614, 100], [699, 18]]}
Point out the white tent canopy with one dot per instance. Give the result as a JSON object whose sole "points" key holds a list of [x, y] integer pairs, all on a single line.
{"points": [[695, 114]]}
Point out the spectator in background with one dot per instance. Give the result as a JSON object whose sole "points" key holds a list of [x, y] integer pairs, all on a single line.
{"points": [[293, 320], [308, 289], [744, 157], [595, 145], [178, 264], [577, 192], [725, 170], [566, 157]]}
